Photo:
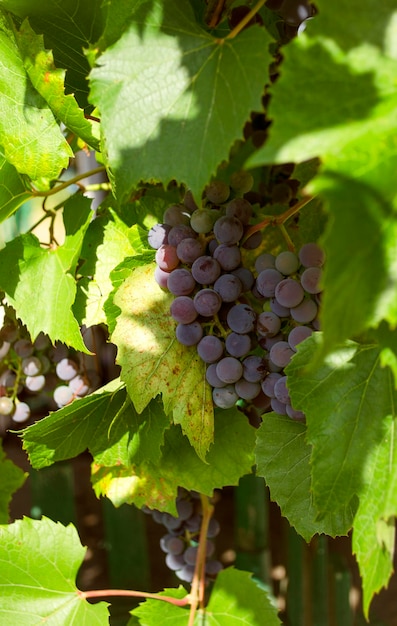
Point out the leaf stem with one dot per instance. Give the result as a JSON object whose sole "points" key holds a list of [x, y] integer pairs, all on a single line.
{"points": [[247, 18], [127, 593], [197, 590], [69, 182], [277, 220]]}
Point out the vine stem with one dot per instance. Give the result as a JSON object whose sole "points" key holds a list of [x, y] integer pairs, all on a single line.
{"points": [[67, 183], [197, 590], [239, 27], [127, 593], [277, 220]]}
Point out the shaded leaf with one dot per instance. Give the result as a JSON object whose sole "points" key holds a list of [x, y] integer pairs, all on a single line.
{"points": [[11, 479], [13, 192]]}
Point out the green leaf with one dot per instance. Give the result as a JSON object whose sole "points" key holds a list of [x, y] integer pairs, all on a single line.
{"points": [[327, 118], [283, 459], [84, 424], [235, 599], [49, 83], [30, 137], [195, 94], [106, 244], [374, 523], [154, 362], [155, 480], [348, 399], [357, 215], [45, 277], [11, 479], [13, 192], [68, 26], [39, 561]]}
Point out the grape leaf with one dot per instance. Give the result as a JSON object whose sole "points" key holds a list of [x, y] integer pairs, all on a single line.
{"points": [[31, 139], [68, 27], [11, 479], [12, 190], [106, 244], [155, 481], [44, 277], [347, 399], [49, 83], [154, 362], [178, 91], [85, 423], [374, 523], [283, 459], [235, 599], [360, 241], [39, 561]]}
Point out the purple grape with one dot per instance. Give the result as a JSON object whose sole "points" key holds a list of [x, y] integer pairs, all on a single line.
{"points": [[280, 390], [225, 397], [186, 573], [217, 191], [264, 261], [212, 377], [189, 334], [182, 310], [174, 561], [213, 567], [279, 309], [158, 235], [205, 270], [310, 280], [35, 383], [213, 528], [21, 413], [254, 368], [161, 277], [166, 258], [228, 257], [66, 369], [179, 233], [228, 230], [229, 369], [294, 414], [269, 382], [238, 345], [241, 319], [247, 390], [8, 333], [298, 334], [176, 214], [207, 302], [240, 208], [190, 555], [267, 282], [181, 282], [268, 324], [189, 249], [172, 545], [246, 277], [210, 349], [31, 366], [253, 241], [278, 407], [281, 353], [311, 255], [42, 342], [23, 348], [229, 287], [80, 385], [289, 292], [63, 395], [184, 508], [305, 312]]}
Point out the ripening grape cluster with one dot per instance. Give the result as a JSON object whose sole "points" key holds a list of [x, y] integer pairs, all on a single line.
{"points": [[245, 322], [29, 370], [181, 541]]}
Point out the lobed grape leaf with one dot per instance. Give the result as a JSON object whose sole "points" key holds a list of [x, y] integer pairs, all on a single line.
{"points": [[235, 599], [106, 244], [349, 398], [11, 479], [283, 459], [360, 242], [154, 480], [30, 137], [45, 278], [374, 523], [49, 83], [182, 96], [39, 561], [153, 361], [68, 26]]}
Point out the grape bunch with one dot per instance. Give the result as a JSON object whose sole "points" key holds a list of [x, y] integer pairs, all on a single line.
{"points": [[181, 541], [245, 325], [31, 370]]}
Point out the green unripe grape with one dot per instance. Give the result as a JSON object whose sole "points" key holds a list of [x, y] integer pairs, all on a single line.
{"points": [[217, 192], [203, 220], [241, 182]]}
